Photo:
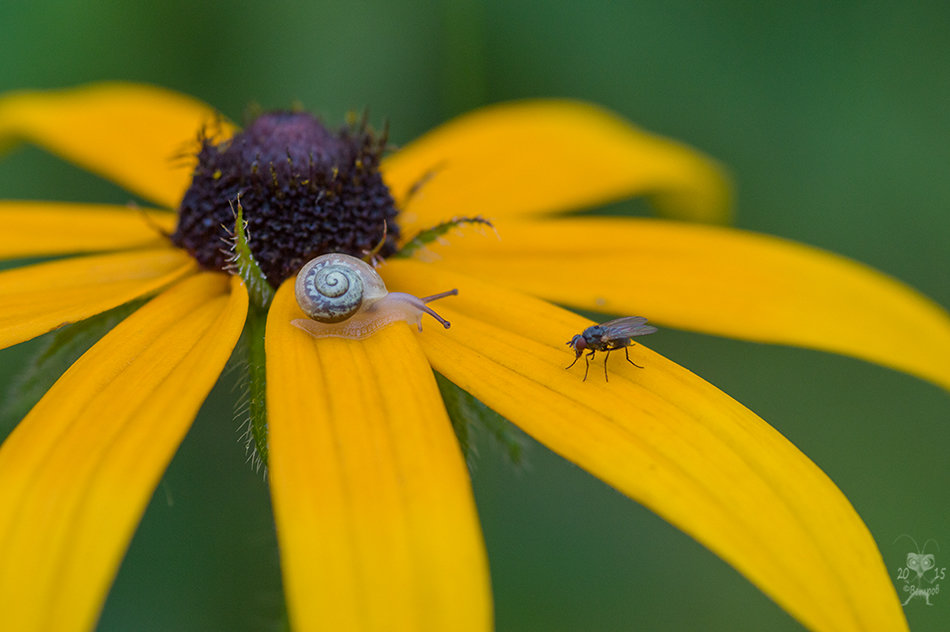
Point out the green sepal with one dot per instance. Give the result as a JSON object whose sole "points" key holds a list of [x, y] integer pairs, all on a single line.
{"points": [[257, 380], [469, 415], [250, 408], [244, 265], [427, 236], [57, 352], [260, 294]]}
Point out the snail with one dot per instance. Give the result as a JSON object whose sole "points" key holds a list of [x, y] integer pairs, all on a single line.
{"points": [[344, 297]]}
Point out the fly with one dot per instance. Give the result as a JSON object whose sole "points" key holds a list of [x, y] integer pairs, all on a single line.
{"points": [[608, 337]]}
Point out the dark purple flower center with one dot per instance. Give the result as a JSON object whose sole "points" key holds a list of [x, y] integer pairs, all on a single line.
{"points": [[305, 191]]}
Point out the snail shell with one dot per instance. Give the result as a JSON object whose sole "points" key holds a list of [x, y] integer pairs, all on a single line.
{"points": [[331, 288], [344, 297]]}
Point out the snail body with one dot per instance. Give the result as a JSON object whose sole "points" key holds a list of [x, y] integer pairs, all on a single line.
{"points": [[344, 297]]}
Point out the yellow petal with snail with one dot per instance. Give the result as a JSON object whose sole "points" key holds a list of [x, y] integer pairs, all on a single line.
{"points": [[375, 515]]}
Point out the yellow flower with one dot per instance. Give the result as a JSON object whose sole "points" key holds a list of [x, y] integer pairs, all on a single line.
{"points": [[376, 523]]}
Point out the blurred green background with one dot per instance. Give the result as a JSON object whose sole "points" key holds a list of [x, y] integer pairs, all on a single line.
{"points": [[833, 119]]}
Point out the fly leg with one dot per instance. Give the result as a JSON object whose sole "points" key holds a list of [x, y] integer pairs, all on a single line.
{"points": [[587, 364], [629, 360]]}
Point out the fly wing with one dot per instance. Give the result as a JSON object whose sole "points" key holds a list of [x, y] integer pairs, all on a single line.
{"points": [[627, 327]]}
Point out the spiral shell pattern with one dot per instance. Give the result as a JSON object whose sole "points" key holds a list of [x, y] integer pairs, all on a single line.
{"points": [[329, 290]]}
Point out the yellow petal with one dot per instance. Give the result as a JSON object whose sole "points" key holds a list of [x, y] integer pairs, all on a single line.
{"points": [[77, 472], [33, 229], [540, 156], [716, 280], [141, 137], [671, 441], [374, 511], [40, 298]]}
